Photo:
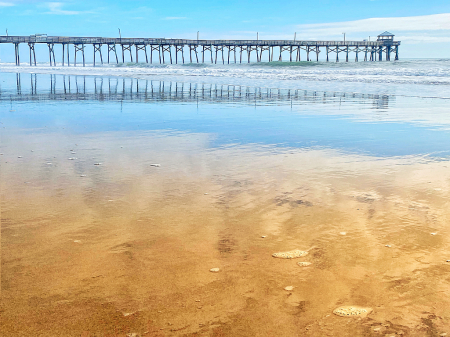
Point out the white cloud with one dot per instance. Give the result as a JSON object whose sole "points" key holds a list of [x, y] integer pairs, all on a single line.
{"points": [[413, 29], [413, 38], [6, 4], [139, 11], [175, 18], [56, 8], [394, 24]]}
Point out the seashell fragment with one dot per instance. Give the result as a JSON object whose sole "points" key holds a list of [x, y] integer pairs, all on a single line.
{"points": [[214, 270], [289, 288], [433, 233], [291, 254], [352, 311], [155, 165], [389, 246], [304, 264]]}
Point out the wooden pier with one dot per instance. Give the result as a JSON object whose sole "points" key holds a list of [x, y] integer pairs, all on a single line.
{"points": [[222, 51]]}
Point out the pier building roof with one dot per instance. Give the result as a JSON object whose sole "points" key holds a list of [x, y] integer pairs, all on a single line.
{"points": [[386, 38]]}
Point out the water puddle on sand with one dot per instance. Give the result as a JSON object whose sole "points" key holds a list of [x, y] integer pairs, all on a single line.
{"points": [[130, 246]]}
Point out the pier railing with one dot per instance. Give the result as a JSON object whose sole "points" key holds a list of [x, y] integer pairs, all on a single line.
{"points": [[158, 41], [373, 50]]}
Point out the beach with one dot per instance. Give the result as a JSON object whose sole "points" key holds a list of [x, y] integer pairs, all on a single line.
{"points": [[123, 187]]}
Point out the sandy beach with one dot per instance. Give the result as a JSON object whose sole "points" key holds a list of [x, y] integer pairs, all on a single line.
{"points": [[125, 247], [112, 229]]}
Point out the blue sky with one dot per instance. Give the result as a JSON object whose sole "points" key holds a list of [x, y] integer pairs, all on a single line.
{"points": [[422, 26]]}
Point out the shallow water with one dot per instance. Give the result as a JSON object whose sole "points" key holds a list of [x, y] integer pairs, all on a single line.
{"points": [[120, 193], [421, 78]]}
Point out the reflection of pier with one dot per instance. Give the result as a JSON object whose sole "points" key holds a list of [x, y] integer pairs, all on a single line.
{"points": [[89, 88], [173, 49]]}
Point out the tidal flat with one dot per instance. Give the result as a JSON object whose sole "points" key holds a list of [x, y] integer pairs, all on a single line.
{"points": [[121, 196]]}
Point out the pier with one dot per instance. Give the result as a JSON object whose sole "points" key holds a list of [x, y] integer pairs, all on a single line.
{"points": [[200, 51]]}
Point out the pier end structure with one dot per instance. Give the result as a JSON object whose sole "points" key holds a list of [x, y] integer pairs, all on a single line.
{"points": [[222, 51]]}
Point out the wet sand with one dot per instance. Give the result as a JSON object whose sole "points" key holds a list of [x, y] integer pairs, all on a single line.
{"points": [[125, 248]]}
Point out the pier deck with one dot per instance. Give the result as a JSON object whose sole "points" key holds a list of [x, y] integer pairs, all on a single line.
{"points": [[227, 49]]}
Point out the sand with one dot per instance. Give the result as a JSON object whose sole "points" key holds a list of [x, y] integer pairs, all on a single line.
{"points": [[75, 264]]}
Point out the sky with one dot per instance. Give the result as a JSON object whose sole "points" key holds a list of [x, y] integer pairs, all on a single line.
{"points": [[423, 27]]}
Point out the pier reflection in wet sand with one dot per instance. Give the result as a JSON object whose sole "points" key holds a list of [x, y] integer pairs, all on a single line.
{"points": [[113, 230], [81, 88]]}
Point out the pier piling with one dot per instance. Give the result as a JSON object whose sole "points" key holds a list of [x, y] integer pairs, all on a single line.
{"points": [[373, 50]]}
